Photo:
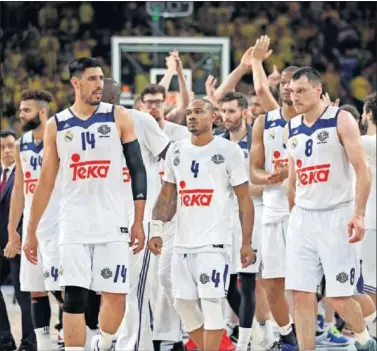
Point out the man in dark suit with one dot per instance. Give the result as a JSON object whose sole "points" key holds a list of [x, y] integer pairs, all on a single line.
{"points": [[12, 266]]}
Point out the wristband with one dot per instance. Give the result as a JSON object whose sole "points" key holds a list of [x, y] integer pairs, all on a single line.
{"points": [[156, 228]]}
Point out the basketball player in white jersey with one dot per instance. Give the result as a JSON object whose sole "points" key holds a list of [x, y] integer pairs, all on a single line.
{"points": [[89, 141], [323, 143], [166, 320], [204, 170], [268, 168], [42, 277], [368, 244], [234, 109], [135, 332]]}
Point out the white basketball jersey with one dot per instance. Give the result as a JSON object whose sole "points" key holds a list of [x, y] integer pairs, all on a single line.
{"points": [[274, 196], [31, 156], [369, 142], [324, 174], [93, 207], [205, 177], [152, 142]]}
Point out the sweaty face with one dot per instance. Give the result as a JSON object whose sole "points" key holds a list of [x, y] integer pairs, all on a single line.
{"points": [[29, 115], [199, 117], [154, 105], [7, 147], [232, 115], [91, 86], [304, 95], [284, 87], [255, 107]]}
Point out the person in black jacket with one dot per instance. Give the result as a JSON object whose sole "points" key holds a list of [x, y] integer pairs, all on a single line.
{"points": [[12, 266]]}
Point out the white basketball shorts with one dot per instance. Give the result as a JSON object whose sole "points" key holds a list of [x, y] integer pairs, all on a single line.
{"points": [[368, 261], [317, 245]]}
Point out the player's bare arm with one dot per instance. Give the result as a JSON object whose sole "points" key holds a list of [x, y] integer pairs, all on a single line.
{"points": [[169, 73], [44, 188], [246, 213], [138, 174], [16, 208], [255, 190], [350, 138], [161, 213], [231, 81], [258, 175], [261, 84], [178, 113]]}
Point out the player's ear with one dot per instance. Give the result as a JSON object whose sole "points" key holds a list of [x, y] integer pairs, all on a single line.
{"points": [[75, 82], [244, 113], [319, 90]]}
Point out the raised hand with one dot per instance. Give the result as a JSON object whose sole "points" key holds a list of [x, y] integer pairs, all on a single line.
{"points": [[210, 85], [261, 47]]}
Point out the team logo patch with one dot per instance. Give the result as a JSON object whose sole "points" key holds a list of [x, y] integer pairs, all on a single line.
{"points": [[204, 278], [104, 130], [342, 277], [61, 270], [123, 230], [68, 136], [272, 135], [322, 136], [218, 159], [106, 273], [245, 154], [176, 161], [294, 143]]}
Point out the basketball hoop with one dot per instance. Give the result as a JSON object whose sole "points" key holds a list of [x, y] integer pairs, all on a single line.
{"points": [[169, 9]]}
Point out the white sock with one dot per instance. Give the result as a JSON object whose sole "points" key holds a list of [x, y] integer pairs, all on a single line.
{"points": [[73, 348], [105, 341], [370, 321], [329, 326], [363, 337], [286, 329], [268, 332], [244, 335], [43, 338]]}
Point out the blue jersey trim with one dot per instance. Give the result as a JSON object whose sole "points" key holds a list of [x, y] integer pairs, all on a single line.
{"points": [[31, 146], [77, 122]]}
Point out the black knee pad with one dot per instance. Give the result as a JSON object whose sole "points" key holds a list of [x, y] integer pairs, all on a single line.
{"points": [[58, 296], [75, 298], [40, 312]]}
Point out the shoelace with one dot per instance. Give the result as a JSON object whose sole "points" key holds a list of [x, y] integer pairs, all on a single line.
{"points": [[336, 332]]}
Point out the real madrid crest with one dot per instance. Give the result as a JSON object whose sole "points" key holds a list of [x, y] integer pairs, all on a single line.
{"points": [[68, 136]]}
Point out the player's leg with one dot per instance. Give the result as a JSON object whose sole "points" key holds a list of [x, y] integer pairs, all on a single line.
{"points": [[32, 280], [75, 276], [340, 267], [110, 277], [211, 276], [166, 320], [91, 316], [186, 297], [273, 262], [303, 274]]}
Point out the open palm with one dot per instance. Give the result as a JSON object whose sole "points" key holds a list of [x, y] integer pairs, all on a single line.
{"points": [[261, 47]]}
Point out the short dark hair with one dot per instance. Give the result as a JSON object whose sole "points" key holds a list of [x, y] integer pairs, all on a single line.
{"points": [[78, 66], [371, 106], [309, 72], [241, 99], [7, 132], [38, 95], [352, 110], [153, 89]]}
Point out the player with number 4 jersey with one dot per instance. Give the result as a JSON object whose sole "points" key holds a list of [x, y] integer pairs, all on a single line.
{"points": [[203, 171], [323, 142]]}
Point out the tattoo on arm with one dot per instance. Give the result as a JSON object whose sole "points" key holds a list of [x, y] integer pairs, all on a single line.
{"points": [[164, 206]]}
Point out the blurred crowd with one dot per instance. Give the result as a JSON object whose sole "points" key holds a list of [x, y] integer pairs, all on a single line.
{"points": [[38, 40]]}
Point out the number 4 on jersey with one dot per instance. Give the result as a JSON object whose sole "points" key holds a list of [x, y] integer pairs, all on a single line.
{"points": [[87, 138], [195, 168]]}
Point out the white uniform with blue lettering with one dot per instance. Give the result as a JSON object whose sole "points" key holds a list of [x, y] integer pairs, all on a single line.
{"points": [[135, 332], [275, 202], [317, 241], [205, 177], [166, 320], [94, 233], [368, 244], [44, 275]]}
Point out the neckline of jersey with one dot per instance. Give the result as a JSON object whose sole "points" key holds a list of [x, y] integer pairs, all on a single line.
{"points": [[95, 111]]}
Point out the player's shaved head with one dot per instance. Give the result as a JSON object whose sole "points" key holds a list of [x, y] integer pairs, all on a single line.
{"points": [[291, 69], [203, 103], [111, 91]]}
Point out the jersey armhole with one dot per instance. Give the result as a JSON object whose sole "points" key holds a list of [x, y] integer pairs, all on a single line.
{"points": [[337, 132], [113, 114], [265, 120], [289, 130]]}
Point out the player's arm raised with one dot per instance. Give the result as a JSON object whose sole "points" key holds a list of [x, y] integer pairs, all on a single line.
{"points": [[258, 175], [16, 208], [44, 188], [261, 84], [135, 164], [350, 138]]}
